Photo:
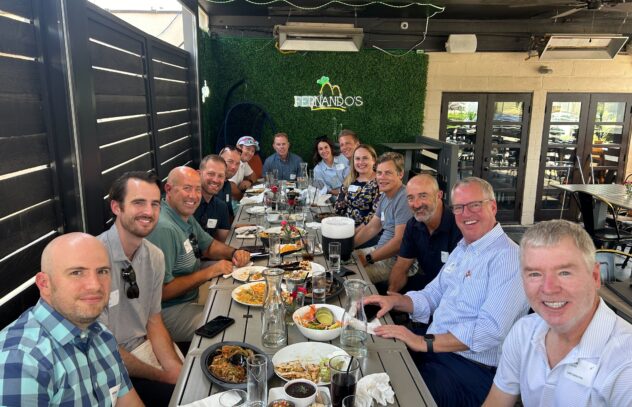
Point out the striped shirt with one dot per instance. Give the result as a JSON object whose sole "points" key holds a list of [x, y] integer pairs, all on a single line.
{"points": [[596, 372], [476, 297], [46, 360]]}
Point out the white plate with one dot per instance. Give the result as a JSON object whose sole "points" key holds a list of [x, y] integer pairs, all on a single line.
{"points": [[306, 352], [242, 273], [246, 287], [241, 232], [256, 210]]}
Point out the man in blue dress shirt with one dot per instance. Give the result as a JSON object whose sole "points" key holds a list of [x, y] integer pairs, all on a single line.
{"points": [[56, 353], [288, 164], [474, 301]]}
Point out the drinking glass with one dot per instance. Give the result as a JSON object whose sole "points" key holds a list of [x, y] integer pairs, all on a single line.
{"points": [[349, 401], [274, 240], [309, 247], [257, 368], [294, 299], [334, 256], [233, 398], [345, 373], [319, 286]]}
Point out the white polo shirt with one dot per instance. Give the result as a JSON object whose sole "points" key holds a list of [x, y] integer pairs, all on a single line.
{"points": [[596, 372], [243, 171]]}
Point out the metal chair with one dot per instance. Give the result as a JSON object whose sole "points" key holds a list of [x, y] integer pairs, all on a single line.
{"points": [[594, 222], [612, 264]]}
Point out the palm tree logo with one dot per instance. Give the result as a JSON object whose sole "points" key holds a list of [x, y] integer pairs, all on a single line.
{"points": [[324, 82]]}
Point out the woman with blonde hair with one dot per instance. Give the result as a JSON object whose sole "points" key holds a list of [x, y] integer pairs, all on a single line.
{"points": [[360, 194]]}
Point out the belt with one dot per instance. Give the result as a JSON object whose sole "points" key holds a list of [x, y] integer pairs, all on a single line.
{"points": [[483, 366]]}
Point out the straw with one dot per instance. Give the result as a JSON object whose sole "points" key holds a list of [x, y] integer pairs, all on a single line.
{"points": [[349, 367]]}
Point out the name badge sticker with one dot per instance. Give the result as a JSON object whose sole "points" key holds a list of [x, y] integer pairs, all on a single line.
{"points": [[211, 223], [444, 256], [382, 217], [227, 197], [187, 246], [582, 372], [114, 298], [449, 268], [114, 394], [292, 176], [354, 188], [340, 167]]}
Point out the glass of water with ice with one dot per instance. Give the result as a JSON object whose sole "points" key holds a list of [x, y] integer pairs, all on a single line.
{"points": [[334, 256]]}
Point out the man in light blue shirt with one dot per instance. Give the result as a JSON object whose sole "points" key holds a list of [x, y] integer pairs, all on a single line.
{"points": [[348, 141], [474, 301], [287, 164]]}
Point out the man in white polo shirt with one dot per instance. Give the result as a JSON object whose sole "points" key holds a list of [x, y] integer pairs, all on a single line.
{"points": [[574, 351]]}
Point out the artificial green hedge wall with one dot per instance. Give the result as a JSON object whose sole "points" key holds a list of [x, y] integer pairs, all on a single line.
{"points": [[393, 90]]}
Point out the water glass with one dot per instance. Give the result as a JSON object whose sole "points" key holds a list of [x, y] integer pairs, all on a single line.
{"points": [[309, 247], [345, 373], [334, 256], [257, 368], [274, 240], [233, 398], [349, 401], [294, 300], [319, 286]]}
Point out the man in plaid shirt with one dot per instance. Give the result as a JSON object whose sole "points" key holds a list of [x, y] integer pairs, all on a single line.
{"points": [[56, 353]]}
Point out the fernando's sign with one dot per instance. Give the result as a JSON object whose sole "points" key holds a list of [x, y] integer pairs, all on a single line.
{"points": [[329, 97]]}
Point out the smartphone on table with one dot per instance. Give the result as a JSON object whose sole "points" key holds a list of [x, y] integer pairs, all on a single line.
{"points": [[371, 310], [214, 326]]}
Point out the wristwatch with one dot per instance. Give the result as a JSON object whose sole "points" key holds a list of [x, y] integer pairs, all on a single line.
{"points": [[429, 338], [369, 259]]}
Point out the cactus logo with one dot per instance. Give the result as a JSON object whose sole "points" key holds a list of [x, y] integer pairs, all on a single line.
{"points": [[329, 97]]}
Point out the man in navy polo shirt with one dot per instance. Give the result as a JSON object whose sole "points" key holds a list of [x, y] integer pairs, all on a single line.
{"points": [[212, 214], [430, 236]]}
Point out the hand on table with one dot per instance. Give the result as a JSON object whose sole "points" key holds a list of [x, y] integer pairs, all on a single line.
{"points": [[222, 267], [413, 341], [241, 258]]}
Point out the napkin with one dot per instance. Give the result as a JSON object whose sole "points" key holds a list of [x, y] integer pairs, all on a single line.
{"points": [[255, 199], [370, 327], [323, 200], [313, 225], [253, 232], [374, 386], [212, 401]]}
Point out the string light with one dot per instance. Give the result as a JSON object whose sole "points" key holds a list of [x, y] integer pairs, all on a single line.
{"points": [[266, 3]]}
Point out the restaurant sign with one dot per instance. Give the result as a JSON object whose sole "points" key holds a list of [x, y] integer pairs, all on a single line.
{"points": [[329, 97]]}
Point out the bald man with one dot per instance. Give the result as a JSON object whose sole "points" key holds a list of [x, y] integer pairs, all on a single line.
{"points": [[430, 236], [183, 242], [56, 351]]}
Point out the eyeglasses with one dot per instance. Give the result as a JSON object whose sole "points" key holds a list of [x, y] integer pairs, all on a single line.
{"points": [[196, 246], [230, 148], [474, 207], [129, 276]]}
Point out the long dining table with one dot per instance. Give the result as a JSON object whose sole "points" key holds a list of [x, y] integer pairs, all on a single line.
{"points": [[384, 355]]}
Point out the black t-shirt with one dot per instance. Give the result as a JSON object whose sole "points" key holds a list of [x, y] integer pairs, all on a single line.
{"points": [[212, 215]]}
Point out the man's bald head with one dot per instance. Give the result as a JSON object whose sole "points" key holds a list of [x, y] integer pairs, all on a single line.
{"points": [[425, 179], [178, 174], [183, 191], [65, 245]]}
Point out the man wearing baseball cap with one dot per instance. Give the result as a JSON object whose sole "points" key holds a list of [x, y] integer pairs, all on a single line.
{"points": [[249, 147], [245, 177]]}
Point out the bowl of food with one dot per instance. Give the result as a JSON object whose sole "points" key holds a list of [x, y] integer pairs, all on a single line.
{"points": [[288, 234], [319, 322], [301, 392], [224, 363]]}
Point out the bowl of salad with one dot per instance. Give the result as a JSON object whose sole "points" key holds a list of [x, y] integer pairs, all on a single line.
{"points": [[319, 322]]}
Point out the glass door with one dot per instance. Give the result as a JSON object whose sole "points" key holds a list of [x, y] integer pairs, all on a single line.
{"points": [[586, 141], [491, 131]]}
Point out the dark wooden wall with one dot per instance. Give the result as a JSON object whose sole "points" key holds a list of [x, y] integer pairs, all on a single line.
{"points": [[84, 97]]}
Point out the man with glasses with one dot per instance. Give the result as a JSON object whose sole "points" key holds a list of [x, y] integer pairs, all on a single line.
{"points": [[138, 270], [430, 236], [56, 353], [184, 242], [288, 164], [474, 301], [212, 214], [390, 218]]}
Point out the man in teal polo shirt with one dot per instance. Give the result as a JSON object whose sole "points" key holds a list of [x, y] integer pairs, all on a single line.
{"points": [[183, 242]]}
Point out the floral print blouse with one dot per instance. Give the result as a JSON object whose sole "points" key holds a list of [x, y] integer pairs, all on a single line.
{"points": [[358, 201]]}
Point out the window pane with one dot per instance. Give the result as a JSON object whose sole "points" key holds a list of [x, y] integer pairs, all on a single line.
{"points": [[506, 134], [506, 200], [563, 134], [508, 111], [504, 157], [608, 134], [565, 111], [605, 176], [610, 112], [560, 157], [605, 156], [462, 111], [463, 134], [553, 198], [503, 179], [466, 157]]}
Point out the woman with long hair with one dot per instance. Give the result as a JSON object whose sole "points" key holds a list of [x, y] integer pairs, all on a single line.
{"points": [[328, 168], [360, 192]]}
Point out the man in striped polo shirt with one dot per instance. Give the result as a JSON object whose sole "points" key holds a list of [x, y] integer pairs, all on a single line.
{"points": [[474, 301]]}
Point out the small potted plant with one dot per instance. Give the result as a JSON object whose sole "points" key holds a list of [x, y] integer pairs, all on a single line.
{"points": [[628, 187]]}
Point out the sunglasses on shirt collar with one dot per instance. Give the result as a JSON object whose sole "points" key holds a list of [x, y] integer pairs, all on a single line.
{"points": [[196, 246], [129, 276]]}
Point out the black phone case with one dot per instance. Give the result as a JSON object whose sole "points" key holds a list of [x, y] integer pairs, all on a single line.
{"points": [[214, 326]]}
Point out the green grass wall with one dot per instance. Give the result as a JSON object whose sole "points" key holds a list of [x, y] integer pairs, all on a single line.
{"points": [[392, 89]]}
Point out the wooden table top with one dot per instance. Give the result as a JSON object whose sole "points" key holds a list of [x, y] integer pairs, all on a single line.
{"points": [[384, 355]]}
